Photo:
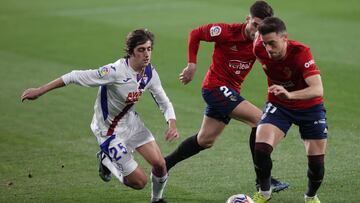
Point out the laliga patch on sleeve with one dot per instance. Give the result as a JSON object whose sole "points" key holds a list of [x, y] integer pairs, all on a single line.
{"points": [[105, 70], [215, 31]]}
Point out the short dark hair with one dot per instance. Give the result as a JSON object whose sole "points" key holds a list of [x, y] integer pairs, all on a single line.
{"points": [[137, 37], [261, 9], [272, 24]]}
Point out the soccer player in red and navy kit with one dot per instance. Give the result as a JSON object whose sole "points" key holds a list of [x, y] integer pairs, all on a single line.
{"points": [[232, 60], [295, 96]]}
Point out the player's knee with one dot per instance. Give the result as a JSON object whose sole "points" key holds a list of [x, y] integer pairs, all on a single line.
{"points": [[316, 167], [159, 167], [206, 144], [206, 141], [254, 121]]}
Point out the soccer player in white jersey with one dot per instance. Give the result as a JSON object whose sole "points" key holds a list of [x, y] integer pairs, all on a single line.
{"points": [[117, 127]]}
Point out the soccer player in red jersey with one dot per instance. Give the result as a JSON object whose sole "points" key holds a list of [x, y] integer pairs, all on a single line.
{"points": [[295, 96], [232, 60]]}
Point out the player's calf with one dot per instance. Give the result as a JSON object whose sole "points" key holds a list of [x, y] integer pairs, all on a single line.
{"points": [[188, 148], [136, 180], [263, 165], [316, 171]]}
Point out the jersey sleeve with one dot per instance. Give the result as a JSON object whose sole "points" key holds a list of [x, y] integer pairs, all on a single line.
{"points": [[91, 78], [208, 33], [307, 64], [160, 97]]}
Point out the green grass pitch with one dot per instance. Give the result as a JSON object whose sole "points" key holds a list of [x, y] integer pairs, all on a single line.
{"points": [[47, 150]]}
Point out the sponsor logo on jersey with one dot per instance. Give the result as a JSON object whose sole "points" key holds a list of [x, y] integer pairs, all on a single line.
{"points": [[309, 63], [127, 80], [239, 65], [133, 97], [215, 31], [105, 70]]}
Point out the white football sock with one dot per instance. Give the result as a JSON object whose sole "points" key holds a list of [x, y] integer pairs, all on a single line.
{"points": [[157, 186]]}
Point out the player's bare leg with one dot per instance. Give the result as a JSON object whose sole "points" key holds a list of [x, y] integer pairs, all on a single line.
{"points": [[251, 115], [136, 180], [315, 150], [247, 113], [153, 156], [209, 132]]}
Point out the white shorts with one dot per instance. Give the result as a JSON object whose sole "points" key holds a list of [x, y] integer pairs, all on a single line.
{"points": [[119, 147]]}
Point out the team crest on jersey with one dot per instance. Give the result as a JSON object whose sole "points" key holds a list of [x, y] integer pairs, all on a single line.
{"points": [[215, 31], [239, 65], [105, 70]]}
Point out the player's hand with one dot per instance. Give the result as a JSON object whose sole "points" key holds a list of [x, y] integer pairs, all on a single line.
{"points": [[279, 91], [187, 75], [171, 133], [31, 94]]}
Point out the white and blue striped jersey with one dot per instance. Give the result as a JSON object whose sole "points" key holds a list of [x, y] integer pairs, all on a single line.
{"points": [[120, 87]]}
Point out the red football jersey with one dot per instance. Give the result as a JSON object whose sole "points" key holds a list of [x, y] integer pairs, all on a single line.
{"points": [[289, 72], [232, 58]]}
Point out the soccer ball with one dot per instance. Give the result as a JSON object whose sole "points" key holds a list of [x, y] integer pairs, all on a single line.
{"points": [[239, 198]]}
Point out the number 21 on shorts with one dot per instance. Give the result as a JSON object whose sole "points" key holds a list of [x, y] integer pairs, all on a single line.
{"points": [[269, 109]]}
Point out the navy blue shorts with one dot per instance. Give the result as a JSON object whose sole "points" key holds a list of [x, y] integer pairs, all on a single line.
{"points": [[311, 121], [221, 102]]}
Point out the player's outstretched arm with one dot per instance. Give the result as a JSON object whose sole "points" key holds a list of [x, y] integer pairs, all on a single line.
{"points": [[171, 133], [34, 93], [187, 75]]}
